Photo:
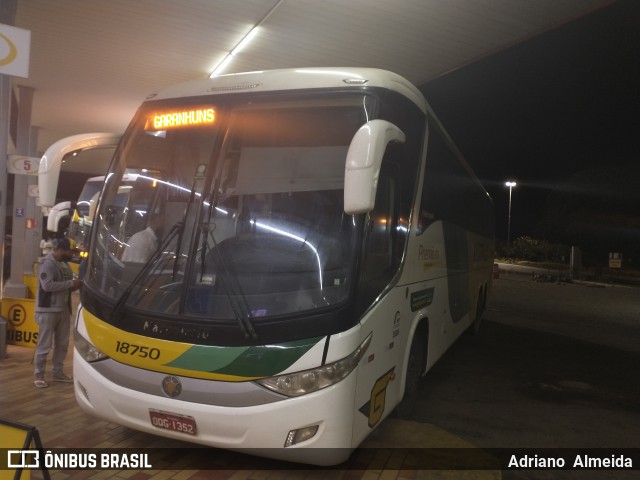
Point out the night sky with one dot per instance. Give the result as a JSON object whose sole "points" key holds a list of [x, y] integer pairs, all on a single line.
{"points": [[543, 110]]}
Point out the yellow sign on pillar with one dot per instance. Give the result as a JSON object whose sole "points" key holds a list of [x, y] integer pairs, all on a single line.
{"points": [[22, 328]]}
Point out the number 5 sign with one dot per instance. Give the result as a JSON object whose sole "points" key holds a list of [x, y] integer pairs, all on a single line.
{"points": [[21, 165]]}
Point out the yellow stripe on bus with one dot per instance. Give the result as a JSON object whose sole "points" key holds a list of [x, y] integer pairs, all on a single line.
{"points": [[148, 353]]}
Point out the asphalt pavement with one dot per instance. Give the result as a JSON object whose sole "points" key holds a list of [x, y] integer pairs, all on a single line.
{"points": [[555, 366]]}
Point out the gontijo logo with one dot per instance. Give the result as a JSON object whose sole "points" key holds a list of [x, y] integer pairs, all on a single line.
{"points": [[12, 51], [15, 44]]}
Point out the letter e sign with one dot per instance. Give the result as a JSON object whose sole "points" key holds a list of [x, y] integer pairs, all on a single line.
{"points": [[17, 315]]}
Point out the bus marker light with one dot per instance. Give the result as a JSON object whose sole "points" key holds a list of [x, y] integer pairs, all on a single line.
{"points": [[300, 435]]}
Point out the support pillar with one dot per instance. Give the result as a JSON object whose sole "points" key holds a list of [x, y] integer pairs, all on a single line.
{"points": [[15, 286], [7, 16], [33, 208], [28, 144]]}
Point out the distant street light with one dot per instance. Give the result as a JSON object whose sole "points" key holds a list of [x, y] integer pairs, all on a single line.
{"points": [[509, 184]]}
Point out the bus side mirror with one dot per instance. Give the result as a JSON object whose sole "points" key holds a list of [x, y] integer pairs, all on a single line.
{"points": [[362, 166]]}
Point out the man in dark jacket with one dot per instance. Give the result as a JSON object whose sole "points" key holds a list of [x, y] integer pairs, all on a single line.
{"points": [[53, 311]]}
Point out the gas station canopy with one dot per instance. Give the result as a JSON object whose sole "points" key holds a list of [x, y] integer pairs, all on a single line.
{"points": [[93, 62]]}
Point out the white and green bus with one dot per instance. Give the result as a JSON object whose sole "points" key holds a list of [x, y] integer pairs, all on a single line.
{"points": [[323, 243]]}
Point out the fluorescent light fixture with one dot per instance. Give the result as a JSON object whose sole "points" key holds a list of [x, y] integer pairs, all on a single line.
{"points": [[227, 60], [222, 65], [243, 43]]}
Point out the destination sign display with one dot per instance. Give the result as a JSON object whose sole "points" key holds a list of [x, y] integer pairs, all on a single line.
{"points": [[194, 116]]}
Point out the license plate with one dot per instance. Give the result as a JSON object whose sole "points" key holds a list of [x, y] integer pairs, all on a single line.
{"points": [[173, 421]]}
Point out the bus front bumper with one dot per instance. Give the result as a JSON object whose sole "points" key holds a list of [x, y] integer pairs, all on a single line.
{"points": [[258, 430]]}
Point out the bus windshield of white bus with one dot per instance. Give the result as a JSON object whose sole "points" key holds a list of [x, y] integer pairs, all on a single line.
{"points": [[82, 220], [237, 211]]}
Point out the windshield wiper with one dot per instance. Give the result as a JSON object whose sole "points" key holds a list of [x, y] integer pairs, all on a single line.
{"points": [[233, 290], [186, 215], [231, 286], [177, 228]]}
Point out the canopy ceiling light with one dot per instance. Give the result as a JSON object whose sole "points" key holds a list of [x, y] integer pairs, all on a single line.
{"points": [[242, 43]]}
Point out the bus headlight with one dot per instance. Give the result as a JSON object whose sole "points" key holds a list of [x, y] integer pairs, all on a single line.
{"points": [[86, 349], [301, 383]]}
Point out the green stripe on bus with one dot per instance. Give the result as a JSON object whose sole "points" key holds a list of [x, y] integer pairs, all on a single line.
{"points": [[255, 361]]}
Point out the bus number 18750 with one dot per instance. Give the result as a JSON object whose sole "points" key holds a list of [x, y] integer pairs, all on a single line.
{"points": [[137, 350]]}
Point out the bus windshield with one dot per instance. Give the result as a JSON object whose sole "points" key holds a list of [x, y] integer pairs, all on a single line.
{"points": [[237, 211]]}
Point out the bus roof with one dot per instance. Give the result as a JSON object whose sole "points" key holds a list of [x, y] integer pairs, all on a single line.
{"points": [[295, 79]]}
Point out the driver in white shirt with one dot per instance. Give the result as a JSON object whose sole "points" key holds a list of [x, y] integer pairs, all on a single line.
{"points": [[143, 243]]}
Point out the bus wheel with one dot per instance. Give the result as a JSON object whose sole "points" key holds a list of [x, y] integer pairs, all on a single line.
{"points": [[404, 410]]}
